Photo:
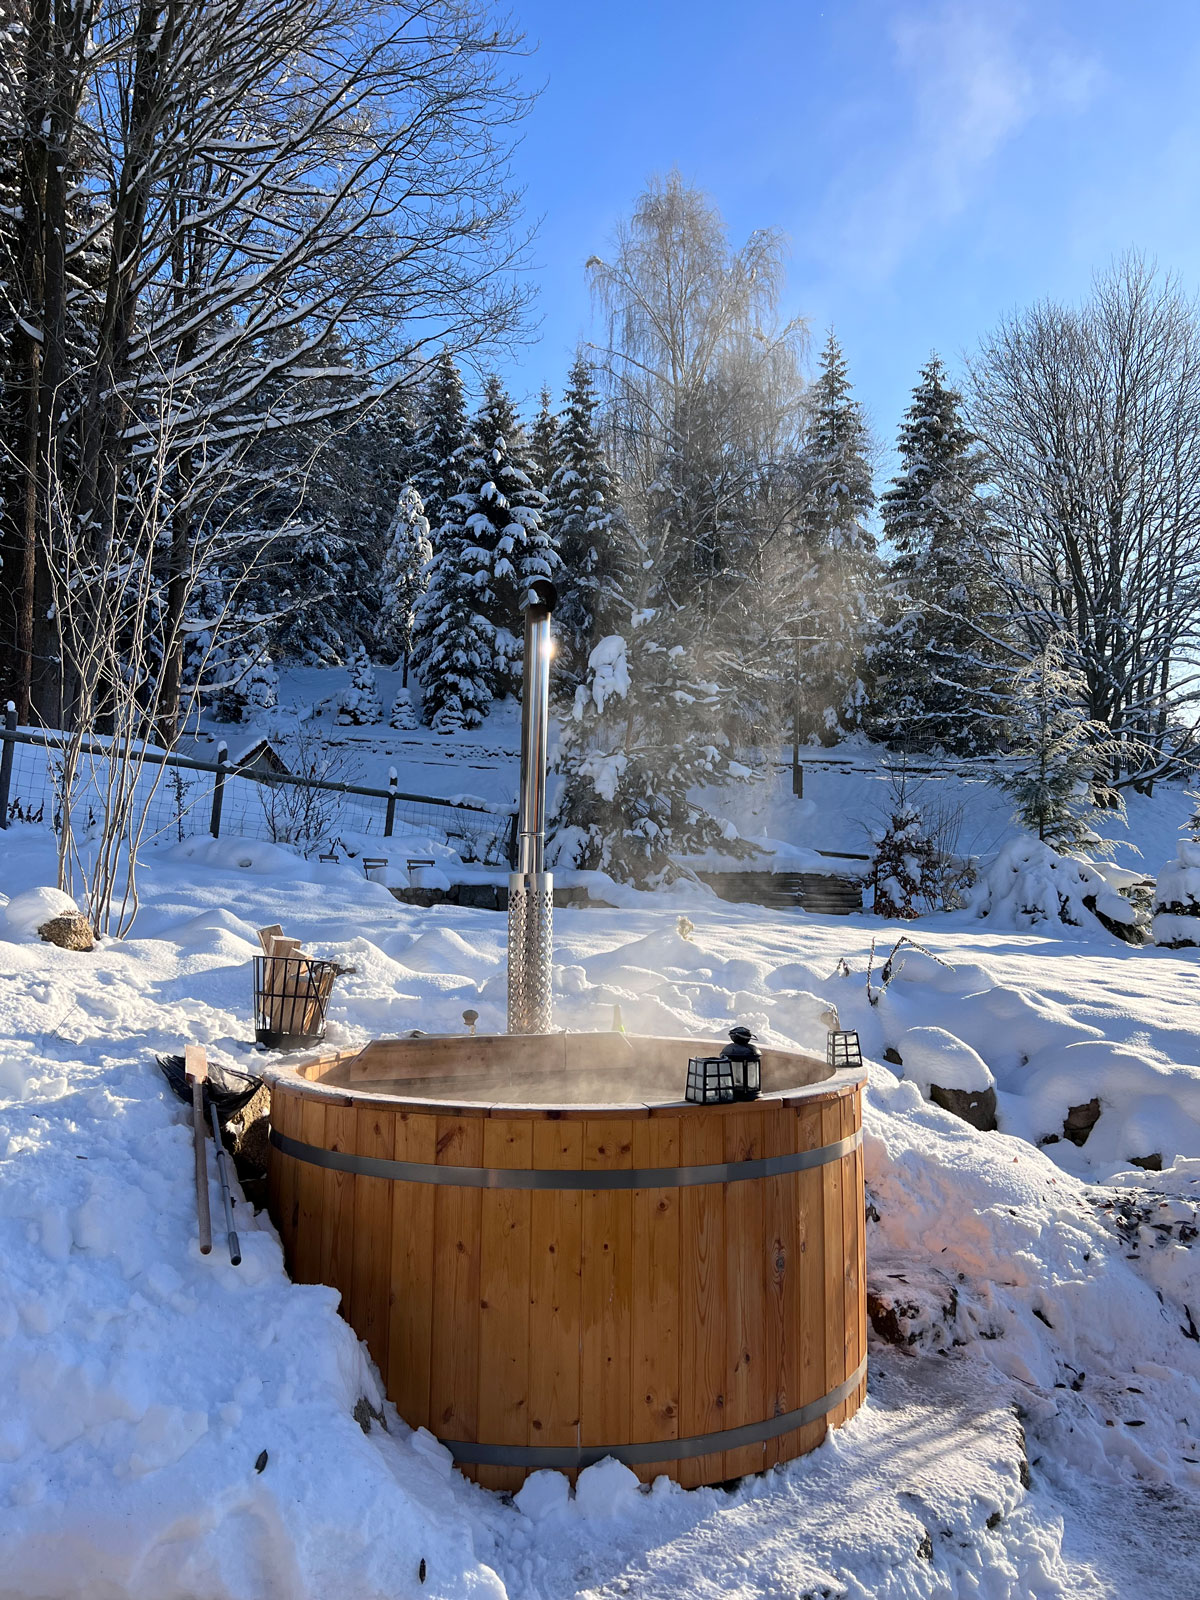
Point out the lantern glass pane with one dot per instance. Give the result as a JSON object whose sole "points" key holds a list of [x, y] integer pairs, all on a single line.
{"points": [[709, 1080], [844, 1050]]}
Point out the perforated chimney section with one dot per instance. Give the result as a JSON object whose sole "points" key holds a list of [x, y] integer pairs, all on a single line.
{"points": [[530, 886]]}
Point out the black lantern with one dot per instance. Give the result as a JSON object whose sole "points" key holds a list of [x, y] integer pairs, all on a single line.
{"points": [[746, 1062], [843, 1050], [709, 1080]]}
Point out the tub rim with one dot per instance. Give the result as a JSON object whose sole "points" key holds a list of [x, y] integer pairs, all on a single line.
{"points": [[289, 1077]]}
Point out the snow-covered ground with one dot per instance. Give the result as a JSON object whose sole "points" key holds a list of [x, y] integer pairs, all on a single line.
{"points": [[1033, 1427], [846, 791]]}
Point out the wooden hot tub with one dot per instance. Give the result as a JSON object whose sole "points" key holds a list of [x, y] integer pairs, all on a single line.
{"points": [[552, 1258]]}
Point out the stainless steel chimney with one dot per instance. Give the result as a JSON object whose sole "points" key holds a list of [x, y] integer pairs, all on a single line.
{"points": [[530, 887]]}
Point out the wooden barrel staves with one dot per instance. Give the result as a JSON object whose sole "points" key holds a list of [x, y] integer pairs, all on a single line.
{"points": [[681, 1287]]}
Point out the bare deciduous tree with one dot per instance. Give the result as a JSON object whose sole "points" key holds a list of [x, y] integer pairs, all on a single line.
{"points": [[281, 207], [1091, 420]]}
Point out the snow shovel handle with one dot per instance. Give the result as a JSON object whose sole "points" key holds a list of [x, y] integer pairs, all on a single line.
{"points": [[195, 1065], [235, 1249]]}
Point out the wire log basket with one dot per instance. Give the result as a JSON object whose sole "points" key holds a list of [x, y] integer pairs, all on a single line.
{"points": [[291, 994]]}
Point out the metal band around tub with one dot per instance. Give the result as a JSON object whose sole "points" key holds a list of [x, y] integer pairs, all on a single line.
{"points": [[567, 1458], [554, 1178]]}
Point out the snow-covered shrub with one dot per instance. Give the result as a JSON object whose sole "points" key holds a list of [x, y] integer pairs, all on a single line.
{"points": [[246, 682], [1029, 883], [402, 714], [359, 702], [1177, 899], [906, 870]]}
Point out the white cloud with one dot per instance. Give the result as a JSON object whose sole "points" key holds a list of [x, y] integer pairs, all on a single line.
{"points": [[969, 77]]}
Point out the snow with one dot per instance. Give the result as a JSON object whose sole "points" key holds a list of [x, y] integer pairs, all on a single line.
{"points": [[933, 1056], [26, 913], [1177, 898], [1030, 883], [1034, 1432]]}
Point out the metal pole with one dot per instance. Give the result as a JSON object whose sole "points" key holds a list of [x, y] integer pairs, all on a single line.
{"points": [[797, 769], [235, 1248], [218, 799], [6, 760], [390, 820], [530, 886]]}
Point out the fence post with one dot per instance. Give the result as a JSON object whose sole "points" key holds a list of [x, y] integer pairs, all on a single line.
{"points": [[218, 799], [514, 836], [6, 760], [390, 819]]}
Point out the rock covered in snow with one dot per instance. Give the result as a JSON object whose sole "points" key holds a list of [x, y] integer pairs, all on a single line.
{"points": [[1147, 1107], [70, 931], [951, 1074], [932, 1055], [26, 913], [1177, 899]]}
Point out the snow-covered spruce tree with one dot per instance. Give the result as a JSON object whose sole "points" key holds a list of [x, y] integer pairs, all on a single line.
{"points": [[404, 577], [359, 702], [244, 679], [938, 681], [584, 521], [1061, 758], [834, 606], [402, 714], [441, 433], [490, 547], [543, 441], [1176, 921], [906, 867]]}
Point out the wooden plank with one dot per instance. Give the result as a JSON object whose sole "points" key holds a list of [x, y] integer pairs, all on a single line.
{"points": [[504, 1301], [746, 1381], [285, 1106], [337, 1220], [310, 1195], [860, 1342], [655, 1329], [454, 1364], [702, 1296], [835, 1259], [555, 1289], [275, 1160], [810, 1227], [607, 1288], [781, 1342], [851, 1228], [374, 1136], [410, 1319]]}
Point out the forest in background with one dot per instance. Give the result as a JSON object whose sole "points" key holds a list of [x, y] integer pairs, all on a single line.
{"points": [[248, 252]]}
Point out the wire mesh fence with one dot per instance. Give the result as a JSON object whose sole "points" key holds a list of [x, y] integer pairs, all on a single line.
{"points": [[180, 797]]}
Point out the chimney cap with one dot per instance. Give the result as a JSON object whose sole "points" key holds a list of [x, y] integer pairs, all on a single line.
{"points": [[541, 596]]}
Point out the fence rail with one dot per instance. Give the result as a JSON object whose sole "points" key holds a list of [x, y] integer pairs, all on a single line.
{"points": [[239, 800]]}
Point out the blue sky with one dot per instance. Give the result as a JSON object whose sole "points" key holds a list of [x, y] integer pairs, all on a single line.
{"points": [[934, 163]]}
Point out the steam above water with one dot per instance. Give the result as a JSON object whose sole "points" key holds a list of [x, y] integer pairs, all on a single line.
{"points": [[606, 1069]]}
